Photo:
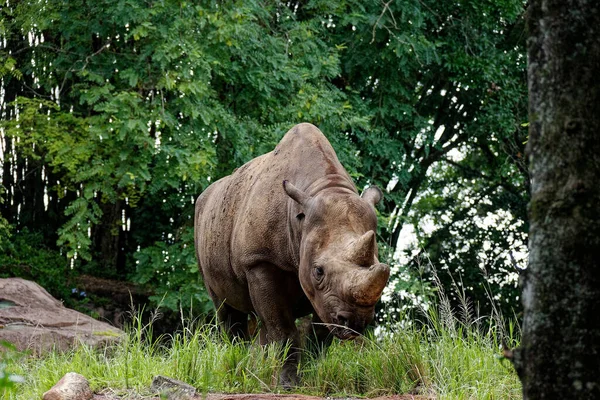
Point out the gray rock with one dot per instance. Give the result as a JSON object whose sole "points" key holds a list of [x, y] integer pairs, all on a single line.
{"points": [[33, 320], [72, 386], [172, 388]]}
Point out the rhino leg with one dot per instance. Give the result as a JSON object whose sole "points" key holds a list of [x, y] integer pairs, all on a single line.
{"points": [[271, 301], [234, 322]]}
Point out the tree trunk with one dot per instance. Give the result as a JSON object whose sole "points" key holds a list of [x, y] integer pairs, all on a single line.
{"points": [[6, 209], [105, 239], [560, 351]]}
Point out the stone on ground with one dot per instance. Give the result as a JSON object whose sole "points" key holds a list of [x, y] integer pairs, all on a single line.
{"points": [[72, 386], [172, 388], [31, 319]]}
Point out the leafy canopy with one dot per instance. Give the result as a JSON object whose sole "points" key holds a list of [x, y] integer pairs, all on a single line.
{"points": [[117, 114]]}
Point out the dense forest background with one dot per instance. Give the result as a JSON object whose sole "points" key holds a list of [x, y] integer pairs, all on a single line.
{"points": [[115, 115]]}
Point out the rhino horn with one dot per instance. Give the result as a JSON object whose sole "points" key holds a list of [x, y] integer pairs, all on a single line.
{"points": [[368, 283], [362, 250]]}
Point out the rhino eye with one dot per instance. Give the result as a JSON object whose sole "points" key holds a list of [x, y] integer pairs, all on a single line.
{"points": [[319, 273]]}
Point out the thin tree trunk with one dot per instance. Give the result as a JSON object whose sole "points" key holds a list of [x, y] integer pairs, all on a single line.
{"points": [[559, 356], [8, 210], [105, 239]]}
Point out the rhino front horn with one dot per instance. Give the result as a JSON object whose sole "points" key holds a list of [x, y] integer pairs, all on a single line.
{"points": [[368, 283], [362, 250]]}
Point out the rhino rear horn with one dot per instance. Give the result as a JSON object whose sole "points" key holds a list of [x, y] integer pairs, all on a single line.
{"points": [[368, 283], [362, 250], [296, 194]]}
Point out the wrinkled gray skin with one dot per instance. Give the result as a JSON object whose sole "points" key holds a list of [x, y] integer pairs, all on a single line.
{"points": [[287, 235]]}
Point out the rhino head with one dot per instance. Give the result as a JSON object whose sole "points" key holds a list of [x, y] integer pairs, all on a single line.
{"points": [[338, 266]]}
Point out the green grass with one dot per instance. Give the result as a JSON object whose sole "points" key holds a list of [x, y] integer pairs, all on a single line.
{"points": [[445, 358]]}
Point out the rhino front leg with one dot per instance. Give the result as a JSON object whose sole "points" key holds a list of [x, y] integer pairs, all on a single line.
{"points": [[271, 292]]}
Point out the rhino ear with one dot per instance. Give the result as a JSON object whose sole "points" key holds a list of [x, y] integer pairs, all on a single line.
{"points": [[296, 194], [372, 195]]}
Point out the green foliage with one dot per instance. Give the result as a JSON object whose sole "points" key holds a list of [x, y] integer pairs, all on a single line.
{"points": [[8, 380], [117, 115], [172, 270], [27, 258], [445, 85], [143, 115]]}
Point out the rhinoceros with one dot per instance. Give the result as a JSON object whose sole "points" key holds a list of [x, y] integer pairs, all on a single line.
{"points": [[287, 235]]}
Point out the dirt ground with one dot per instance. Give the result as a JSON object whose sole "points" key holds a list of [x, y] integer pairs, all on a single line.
{"points": [[257, 396], [173, 389]]}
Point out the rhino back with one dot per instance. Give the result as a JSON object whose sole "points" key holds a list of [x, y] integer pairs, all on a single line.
{"points": [[265, 227]]}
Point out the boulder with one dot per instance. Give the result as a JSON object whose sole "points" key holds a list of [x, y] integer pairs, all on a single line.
{"points": [[33, 320]]}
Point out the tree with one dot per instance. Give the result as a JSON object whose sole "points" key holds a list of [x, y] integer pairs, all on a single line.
{"points": [[117, 114], [444, 86], [560, 350]]}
